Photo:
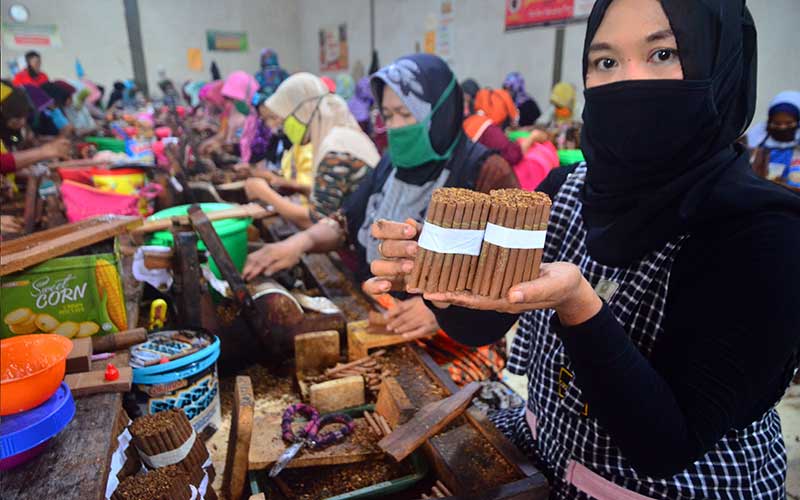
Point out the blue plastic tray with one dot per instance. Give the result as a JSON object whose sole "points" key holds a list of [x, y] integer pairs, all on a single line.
{"points": [[23, 431]]}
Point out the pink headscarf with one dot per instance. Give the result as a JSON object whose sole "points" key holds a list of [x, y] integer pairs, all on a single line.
{"points": [[212, 93], [240, 86]]}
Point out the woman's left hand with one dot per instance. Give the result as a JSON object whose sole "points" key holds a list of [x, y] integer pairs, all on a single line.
{"points": [[411, 319], [560, 286]]}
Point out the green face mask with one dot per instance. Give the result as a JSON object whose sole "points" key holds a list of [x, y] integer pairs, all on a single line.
{"points": [[294, 129], [242, 107], [410, 146]]}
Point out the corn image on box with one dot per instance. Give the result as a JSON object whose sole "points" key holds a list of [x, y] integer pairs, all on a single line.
{"points": [[71, 296]]}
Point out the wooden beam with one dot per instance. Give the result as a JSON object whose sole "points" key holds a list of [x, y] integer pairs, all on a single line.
{"points": [[236, 461], [40, 247]]}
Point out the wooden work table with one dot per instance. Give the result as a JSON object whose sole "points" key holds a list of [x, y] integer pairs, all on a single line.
{"points": [[76, 462]]}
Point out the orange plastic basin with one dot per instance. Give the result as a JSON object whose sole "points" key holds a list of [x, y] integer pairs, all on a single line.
{"points": [[31, 369]]}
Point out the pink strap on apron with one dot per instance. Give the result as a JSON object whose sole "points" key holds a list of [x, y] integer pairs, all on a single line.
{"points": [[597, 486], [531, 419]]}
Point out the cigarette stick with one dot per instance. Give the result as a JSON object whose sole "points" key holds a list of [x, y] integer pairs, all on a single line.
{"points": [[494, 213], [414, 278], [444, 488], [519, 267], [383, 423], [340, 367], [498, 276], [483, 218], [438, 258], [530, 253], [372, 423], [513, 254], [436, 218], [448, 263], [491, 254], [288, 493], [455, 269], [537, 259]]}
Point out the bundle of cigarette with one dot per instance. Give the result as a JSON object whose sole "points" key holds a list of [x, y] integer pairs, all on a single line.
{"points": [[480, 243], [441, 269], [368, 367], [378, 424], [439, 490], [167, 483], [510, 257], [167, 438]]}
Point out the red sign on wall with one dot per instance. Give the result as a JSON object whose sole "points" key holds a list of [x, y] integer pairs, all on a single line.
{"points": [[526, 13]]}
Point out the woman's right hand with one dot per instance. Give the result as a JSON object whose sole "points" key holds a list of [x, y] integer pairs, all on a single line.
{"points": [[398, 249], [273, 258]]}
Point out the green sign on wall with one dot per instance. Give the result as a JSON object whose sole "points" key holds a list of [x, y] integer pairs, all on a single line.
{"points": [[230, 41]]}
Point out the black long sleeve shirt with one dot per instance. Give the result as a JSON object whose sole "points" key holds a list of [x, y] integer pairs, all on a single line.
{"points": [[730, 344]]}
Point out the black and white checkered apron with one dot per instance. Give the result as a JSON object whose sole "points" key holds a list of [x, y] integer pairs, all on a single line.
{"points": [[748, 463]]}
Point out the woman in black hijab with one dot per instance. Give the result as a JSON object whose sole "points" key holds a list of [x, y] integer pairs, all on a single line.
{"points": [[665, 328]]}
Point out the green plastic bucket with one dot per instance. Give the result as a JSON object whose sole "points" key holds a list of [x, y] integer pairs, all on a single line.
{"points": [[513, 135], [108, 144], [570, 156], [232, 232]]}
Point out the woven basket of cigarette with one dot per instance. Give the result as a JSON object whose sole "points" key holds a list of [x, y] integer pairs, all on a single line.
{"points": [[167, 438], [484, 244]]}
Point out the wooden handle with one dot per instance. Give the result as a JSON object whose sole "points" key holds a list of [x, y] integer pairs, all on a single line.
{"points": [[250, 210], [120, 340]]}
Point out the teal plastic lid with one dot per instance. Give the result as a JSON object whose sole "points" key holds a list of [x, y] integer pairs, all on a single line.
{"points": [[224, 227]]}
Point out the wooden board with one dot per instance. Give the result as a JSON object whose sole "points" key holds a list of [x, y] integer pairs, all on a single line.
{"points": [[250, 210], [40, 247], [236, 461], [316, 351], [360, 340], [431, 419], [267, 445], [337, 394], [76, 462], [393, 404], [79, 358], [94, 382]]}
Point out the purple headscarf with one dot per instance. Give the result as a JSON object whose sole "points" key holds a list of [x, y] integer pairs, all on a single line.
{"points": [[362, 101], [39, 98], [515, 84]]}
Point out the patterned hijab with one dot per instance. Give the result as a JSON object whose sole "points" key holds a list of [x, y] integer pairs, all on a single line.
{"points": [[515, 84], [362, 100], [271, 74]]}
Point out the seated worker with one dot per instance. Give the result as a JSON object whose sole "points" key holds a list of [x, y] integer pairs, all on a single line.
{"points": [[32, 74], [777, 143], [14, 111], [342, 154], [493, 110], [529, 111], [78, 114], [562, 106], [238, 119], [422, 105]]}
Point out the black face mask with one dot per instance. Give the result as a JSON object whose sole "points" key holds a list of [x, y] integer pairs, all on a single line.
{"points": [[783, 135], [634, 138]]}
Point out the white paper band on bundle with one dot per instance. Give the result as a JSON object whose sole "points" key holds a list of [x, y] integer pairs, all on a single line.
{"points": [[514, 238], [446, 240], [117, 461], [169, 457]]}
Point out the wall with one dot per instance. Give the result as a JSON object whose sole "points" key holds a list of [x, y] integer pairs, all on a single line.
{"points": [[170, 27], [93, 31], [484, 51]]}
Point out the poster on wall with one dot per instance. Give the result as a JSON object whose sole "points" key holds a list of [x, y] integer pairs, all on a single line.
{"points": [[194, 59], [229, 41], [27, 36], [528, 13], [333, 48], [445, 41]]}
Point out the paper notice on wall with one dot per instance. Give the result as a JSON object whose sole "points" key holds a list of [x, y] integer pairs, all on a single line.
{"points": [[429, 46], [333, 49], [27, 36], [445, 34], [194, 59]]}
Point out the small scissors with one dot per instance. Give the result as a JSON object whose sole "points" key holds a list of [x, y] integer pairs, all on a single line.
{"points": [[310, 435]]}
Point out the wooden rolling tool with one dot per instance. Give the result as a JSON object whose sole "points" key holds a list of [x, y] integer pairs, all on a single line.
{"points": [[119, 340]]}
